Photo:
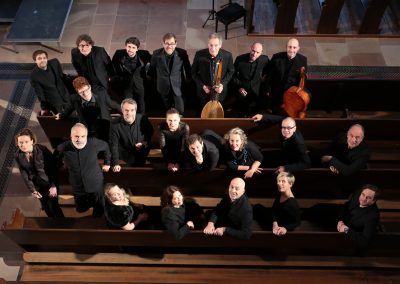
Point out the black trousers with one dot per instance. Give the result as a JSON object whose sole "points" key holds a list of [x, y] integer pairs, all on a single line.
{"points": [[86, 200], [49, 204]]}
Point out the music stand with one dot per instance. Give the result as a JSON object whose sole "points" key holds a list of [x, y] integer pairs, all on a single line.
{"points": [[211, 14]]}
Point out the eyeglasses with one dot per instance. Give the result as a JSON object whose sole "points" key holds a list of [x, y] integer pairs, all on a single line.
{"points": [[287, 127], [83, 45], [81, 92], [170, 43]]}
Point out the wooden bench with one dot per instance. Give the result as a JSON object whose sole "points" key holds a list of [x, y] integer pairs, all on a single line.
{"points": [[36, 234], [373, 16], [330, 12], [286, 16], [312, 183]]}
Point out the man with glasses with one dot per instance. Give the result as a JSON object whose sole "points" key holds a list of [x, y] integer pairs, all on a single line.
{"points": [[167, 67], [293, 156], [92, 62], [348, 152], [92, 108]]}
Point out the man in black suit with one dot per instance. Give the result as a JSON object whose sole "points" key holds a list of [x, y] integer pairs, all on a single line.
{"points": [[130, 137], [250, 72], [130, 67], [92, 62], [92, 108], [293, 155], [85, 175], [204, 70], [284, 72], [168, 66], [47, 81]]}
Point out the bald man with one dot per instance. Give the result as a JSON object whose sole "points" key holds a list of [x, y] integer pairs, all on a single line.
{"points": [[233, 215], [293, 156], [250, 74], [284, 72], [348, 152]]}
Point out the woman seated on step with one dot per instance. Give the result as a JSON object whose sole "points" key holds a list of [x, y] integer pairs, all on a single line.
{"points": [[285, 213], [179, 215], [120, 212]]}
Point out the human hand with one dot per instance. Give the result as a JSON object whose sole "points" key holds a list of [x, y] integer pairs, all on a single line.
{"points": [[116, 169], [173, 167], [207, 89], [220, 231], [242, 92], [219, 88], [138, 145], [53, 191], [209, 229], [333, 170], [190, 224], [106, 168], [57, 116], [257, 117], [36, 194]]}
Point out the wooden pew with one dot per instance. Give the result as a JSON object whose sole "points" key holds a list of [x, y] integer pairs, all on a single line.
{"points": [[286, 17], [312, 183], [318, 132], [36, 234], [373, 16], [330, 13]]}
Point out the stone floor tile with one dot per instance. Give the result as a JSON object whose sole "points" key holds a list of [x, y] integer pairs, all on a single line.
{"points": [[391, 54]]}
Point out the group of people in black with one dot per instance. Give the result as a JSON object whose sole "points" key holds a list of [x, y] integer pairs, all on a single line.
{"points": [[128, 140]]}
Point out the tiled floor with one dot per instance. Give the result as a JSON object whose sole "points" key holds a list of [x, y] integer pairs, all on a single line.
{"points": [[110, 22]]}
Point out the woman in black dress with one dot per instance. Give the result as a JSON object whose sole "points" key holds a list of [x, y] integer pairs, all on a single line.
{"points": [[179, 216], [120, 212], [38, 170], [241, 154], [173, 135]]}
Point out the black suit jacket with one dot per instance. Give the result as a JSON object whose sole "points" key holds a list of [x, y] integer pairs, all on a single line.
{"points": [[102, 100], [85, 173], [52, 96], [166, 79], [102, 64], [123, 74], [243, 77], [277, 82], [201, 71]]}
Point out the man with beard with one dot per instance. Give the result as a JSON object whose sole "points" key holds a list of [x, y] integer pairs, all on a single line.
{"points": [[130, 137], [85, 174]]}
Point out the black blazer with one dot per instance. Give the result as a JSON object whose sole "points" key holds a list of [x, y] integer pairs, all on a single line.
{"points": [[201, 72], [52, 96], [243, 78], [102, 100], [166, 79], [123, 74], [40, 173], [102, 64], [276, 80]]}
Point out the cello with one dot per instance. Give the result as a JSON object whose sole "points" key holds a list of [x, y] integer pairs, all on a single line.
{"points": [[214, 109], [296, 99]]}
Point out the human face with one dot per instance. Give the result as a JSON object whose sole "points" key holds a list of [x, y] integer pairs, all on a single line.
{"points": [[41, 61], [214, 45], [355, 136], [283, 184], [169, 45], [129, 112], [196, 148], [116, 194], [131, 49], [79, 137], [367, 198], [173, 120], [85, 48], [288, 128], [177, 199], [255, 52], [236, 189], [292, 48], [25, 143], [85, 93], [235, 142]]}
